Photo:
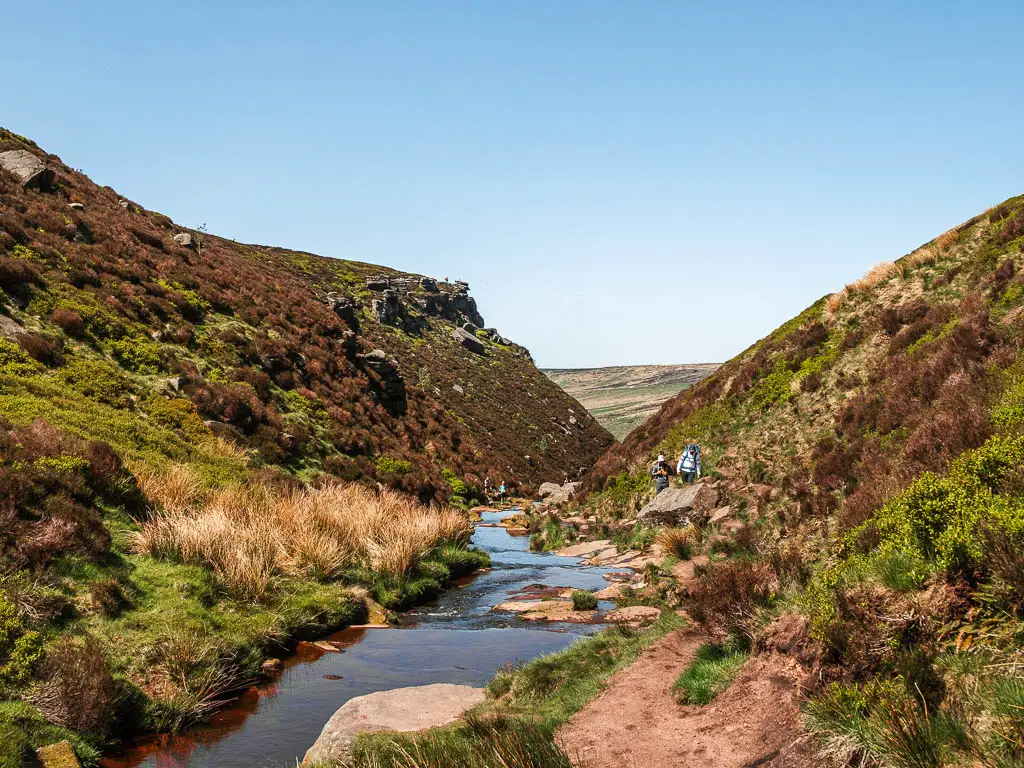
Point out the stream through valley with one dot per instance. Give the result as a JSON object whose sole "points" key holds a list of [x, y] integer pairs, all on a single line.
{"points": [[457, 639]]}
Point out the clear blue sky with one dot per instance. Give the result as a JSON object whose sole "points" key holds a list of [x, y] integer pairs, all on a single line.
{"points": [[620, 182]]}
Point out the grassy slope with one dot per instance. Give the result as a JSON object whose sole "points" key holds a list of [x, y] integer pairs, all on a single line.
{"points": [[876, 438], [623, 397]]}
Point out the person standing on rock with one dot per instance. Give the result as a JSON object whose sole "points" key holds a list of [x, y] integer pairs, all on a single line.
{"points": [[502, 490], [689, 463], [660, 473]]}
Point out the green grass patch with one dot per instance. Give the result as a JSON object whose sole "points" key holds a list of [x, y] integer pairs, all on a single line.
{"points": [[712, 671]]}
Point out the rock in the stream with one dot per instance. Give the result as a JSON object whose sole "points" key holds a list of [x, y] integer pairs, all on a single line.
{"points": [[678, 506], [29, 169], [585, 548], [403, 709]]}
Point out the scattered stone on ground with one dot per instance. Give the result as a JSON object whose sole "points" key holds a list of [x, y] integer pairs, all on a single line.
{"points": [[271, 667], [29, 169], [634, 614], [720, 514], [76, 206], [469, 341], [679, 506], [59, 755], [404, 709], [10, 328], [636, 722], [612, 558]]}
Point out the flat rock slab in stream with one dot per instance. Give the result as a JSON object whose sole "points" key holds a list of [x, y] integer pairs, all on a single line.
{"points": [[586, 548], [403, 709], [547, 610]]}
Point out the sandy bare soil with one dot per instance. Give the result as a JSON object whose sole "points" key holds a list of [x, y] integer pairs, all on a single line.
{"points": [[636, 723]]}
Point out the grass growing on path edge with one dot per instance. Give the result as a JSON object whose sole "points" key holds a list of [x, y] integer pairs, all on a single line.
{"points": [[527, 704], [713, 668]]}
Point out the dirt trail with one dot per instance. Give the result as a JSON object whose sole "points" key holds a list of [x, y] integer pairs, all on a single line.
{"points": [[635, 722]]}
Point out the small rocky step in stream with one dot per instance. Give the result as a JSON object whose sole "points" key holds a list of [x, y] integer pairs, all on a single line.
{"points": [[369, 678]]}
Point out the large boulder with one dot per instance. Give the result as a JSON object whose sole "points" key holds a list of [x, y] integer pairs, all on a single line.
{"points": [[29, 169], [185, 240], [679, 506], [469, 341], [546, 489], [563, 494], [403, 709]]}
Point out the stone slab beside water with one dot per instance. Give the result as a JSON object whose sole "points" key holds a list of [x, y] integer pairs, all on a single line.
{"points": [[403, 709]]}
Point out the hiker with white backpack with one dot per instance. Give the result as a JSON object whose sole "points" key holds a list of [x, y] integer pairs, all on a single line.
{"points": [[689, 463]]}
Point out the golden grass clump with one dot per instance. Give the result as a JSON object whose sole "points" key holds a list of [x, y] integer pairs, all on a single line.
{"points": [[926, 255], [877, 274], [679, 542], [833, 302], [252, 535]]}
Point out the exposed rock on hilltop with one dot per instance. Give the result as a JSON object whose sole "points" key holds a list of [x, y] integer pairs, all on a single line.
{"points": [[309, 363]]}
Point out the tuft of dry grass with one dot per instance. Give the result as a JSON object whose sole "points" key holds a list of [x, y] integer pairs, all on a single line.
{"points": [[877, 274], [925, 256], [679, 542], [252, 535]]}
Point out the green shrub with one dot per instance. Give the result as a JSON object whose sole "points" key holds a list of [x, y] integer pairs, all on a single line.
{"points": [[386, 465], [137, 354], [20, 649], [773, 389], [938, 518], [582, 600], [98, 380], [14, 361]]}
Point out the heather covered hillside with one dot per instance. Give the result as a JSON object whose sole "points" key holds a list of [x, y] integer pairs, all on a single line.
{"points": [[870, 452], [170, 336]]}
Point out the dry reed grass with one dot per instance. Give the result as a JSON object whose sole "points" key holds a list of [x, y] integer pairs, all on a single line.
{"points": [[253, 535]]}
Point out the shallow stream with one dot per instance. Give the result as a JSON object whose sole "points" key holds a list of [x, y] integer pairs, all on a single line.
{"points": [[457, 639]]}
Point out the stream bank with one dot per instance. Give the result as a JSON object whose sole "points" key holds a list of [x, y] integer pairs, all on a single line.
{"points": [[456, 639]]}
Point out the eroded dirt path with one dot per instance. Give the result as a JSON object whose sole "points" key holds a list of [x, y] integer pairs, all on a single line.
{"points": [[636, 723]]}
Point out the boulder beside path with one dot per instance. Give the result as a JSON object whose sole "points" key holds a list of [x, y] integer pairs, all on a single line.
{"points": [[679, 506], [416, 708]]}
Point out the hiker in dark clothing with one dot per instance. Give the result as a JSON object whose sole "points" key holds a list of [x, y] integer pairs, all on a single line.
{"points": [[660, 472]]}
